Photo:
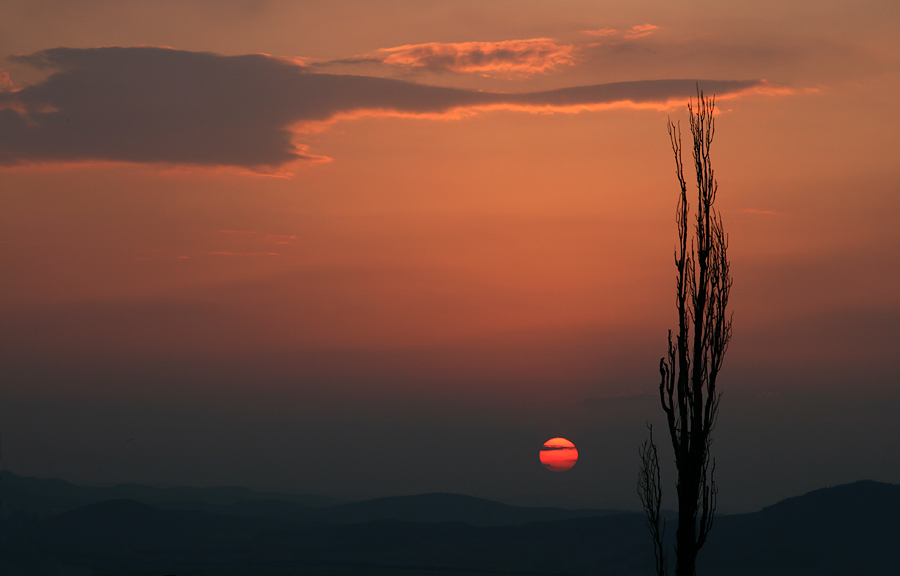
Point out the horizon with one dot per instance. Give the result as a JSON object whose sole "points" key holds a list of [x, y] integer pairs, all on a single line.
{"points": [[338, 500], [393, 247]]}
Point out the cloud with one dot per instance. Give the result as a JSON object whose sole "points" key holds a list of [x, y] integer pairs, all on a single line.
{"points": [[641, 30], [159, 105], [601, 32], [522, 56], [546, 448], [638, 31]]}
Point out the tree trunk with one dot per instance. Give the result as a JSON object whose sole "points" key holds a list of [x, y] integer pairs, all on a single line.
{"points": [[688, 373]]}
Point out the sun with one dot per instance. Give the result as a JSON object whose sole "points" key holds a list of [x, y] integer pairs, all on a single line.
{"points": [[558, 454]]}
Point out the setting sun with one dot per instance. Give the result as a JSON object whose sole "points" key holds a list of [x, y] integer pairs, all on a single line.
{"points": [[558, 454]]}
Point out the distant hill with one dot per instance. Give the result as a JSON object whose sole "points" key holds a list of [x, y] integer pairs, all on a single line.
{"points": [[45, 497], [442, 507], [545, 501], [847, 500], [848, 530], [116, 525], [125, 538]]}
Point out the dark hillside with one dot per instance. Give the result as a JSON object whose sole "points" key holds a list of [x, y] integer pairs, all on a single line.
{"points": [[46, 497], [442, 507], [847, 530]]}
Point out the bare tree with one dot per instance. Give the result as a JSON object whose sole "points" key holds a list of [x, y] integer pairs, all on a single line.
{"points": [[688, 373]]}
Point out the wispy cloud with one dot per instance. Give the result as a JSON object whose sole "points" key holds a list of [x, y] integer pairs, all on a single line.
{"points": [[521, 56], [601, 32], [638, 31], [158, 105], [546, 448]]}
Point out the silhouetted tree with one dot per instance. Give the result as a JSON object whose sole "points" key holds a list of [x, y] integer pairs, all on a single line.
{"points": [[688, 373]]}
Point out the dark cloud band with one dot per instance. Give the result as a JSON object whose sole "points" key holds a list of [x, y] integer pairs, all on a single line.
{"points": [[158, 105]]}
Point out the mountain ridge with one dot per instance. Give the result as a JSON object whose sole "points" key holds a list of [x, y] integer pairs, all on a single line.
{"points": [[848, 529], [27, 494]]}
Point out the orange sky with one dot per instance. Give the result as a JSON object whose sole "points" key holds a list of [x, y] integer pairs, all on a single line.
{"points": [[281, 247]]}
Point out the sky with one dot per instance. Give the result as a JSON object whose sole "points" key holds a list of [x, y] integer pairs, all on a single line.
{"points": [[384, 247]]}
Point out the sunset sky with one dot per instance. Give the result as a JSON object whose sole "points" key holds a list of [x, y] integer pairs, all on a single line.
{"points": [[383, 247]]}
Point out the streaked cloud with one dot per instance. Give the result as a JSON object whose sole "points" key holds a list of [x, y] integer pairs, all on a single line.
{"points": [[641, 30], [159, 105], [521, 56], [638, 31], [601, 32]]}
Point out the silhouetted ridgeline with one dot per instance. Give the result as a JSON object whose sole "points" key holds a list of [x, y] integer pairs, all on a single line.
{"points": [[848, 530], [49, 496]]}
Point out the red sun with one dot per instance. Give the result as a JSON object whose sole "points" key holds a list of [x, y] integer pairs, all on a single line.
{"points": [[558, 454]]}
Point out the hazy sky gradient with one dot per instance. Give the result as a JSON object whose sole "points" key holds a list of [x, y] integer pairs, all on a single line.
{"points": [[390, 247]]}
